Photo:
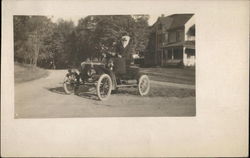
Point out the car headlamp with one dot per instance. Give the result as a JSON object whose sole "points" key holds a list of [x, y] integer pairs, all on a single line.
{"points": [[91, 72]]}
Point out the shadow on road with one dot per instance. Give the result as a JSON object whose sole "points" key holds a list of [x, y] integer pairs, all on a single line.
{"points": [[90, 93], [126, 91], [82, 92], [58, 90]]}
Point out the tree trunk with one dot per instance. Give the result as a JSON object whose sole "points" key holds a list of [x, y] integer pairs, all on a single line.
{"points": [[54, 66], [37, 48]]}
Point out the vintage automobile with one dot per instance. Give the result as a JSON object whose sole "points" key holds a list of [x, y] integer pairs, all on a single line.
{"points": [[101, 76]]}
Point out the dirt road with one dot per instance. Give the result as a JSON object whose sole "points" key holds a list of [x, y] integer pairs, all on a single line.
{"points": [[45, 98]]}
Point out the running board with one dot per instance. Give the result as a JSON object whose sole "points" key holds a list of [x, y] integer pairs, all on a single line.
{"points": [[127, 85]]}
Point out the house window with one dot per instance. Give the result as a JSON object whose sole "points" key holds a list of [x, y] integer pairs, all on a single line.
{"points": [[179, 36], [178, 53], [172, 37], [190, 53], [169, 53], [166, 37], [159, 26], [159, 40], [163, 55], [191, 31], [162, 38]]}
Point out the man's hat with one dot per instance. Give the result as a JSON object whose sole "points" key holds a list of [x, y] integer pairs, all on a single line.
{"points": [[125, 38]]}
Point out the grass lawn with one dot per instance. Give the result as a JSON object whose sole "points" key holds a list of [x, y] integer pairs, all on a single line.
{"points": [[160, 91], [174, 75], [25, 72]]}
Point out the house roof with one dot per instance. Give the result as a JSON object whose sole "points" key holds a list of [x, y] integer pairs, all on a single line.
{"points": [[173, 21], [166, 22], [179, 20]]}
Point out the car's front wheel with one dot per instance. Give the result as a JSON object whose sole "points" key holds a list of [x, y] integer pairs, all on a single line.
{"points": [[104, 87], [69, 84]]}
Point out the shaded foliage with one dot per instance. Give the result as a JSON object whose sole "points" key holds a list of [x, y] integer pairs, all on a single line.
{"points": [[40, 42], [31, 35]]}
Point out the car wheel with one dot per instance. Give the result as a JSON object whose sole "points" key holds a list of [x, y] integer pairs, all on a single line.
{"points": [[69, 84], [104, 87], [143, 85]]}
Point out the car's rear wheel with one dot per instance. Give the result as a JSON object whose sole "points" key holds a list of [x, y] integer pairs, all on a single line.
{"points": [[143, 85], [104, 87]]}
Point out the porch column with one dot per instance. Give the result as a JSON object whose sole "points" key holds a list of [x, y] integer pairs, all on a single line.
{"points": [[162, 60], [184, 56], [172, 53]]}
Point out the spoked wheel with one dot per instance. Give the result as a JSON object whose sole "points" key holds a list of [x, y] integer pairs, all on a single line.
{"points": [[69, 84], [104, 86], [144, 85]]}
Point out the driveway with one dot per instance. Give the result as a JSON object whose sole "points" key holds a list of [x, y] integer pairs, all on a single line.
{"points": [[45, 98]]}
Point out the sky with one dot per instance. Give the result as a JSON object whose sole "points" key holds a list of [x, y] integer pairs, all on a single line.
{"points": [[151, 21]]}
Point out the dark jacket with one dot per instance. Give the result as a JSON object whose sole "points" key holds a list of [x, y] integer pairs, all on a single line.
{"points": [[124, 52], [120, 64]]}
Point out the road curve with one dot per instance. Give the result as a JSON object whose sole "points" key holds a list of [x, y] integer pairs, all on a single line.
{"points": [[45, 98]]}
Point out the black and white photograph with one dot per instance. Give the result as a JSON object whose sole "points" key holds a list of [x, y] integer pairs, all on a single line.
{"points": [[104, 66]]}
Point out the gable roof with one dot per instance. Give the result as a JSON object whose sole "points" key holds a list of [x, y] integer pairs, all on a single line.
{"points": [[173, 21], [179, 20], [166, 22]]}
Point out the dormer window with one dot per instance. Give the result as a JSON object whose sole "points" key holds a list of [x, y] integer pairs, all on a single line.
{"points": [[160, 26], [166, 37]]}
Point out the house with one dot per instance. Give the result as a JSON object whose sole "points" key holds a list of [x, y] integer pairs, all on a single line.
{"points": [[172, 41]]}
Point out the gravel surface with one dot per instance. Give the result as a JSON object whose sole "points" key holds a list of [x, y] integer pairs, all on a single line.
{"points": [[45, 98]]}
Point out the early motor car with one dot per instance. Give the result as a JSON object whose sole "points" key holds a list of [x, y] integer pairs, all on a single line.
{"points": [[101, 76]]}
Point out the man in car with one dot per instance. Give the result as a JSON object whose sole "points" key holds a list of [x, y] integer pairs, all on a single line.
{"points": [[123, 55]]}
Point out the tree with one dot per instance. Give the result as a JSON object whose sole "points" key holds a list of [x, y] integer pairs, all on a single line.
{"points": [[62, 43], [110, 28], [141, 32], [20, 37], [30, 33], [39, 41], [85, 42]]}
